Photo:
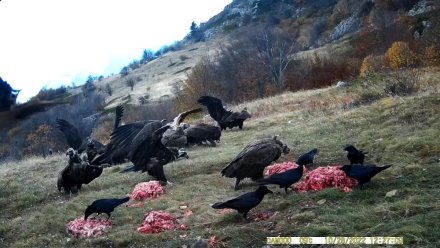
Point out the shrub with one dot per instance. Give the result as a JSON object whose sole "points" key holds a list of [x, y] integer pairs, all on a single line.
{"points": [[51, 94], [399, 56], [124, 71], [432, 55], [370, 64], [108, 89], [404, 83], [130, 82]]}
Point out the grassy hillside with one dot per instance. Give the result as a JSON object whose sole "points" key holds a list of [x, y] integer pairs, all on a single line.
{"points": [[403, 131]]}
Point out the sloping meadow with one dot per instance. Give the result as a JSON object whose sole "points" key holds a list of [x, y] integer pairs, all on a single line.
{"points": [[402, 131]]}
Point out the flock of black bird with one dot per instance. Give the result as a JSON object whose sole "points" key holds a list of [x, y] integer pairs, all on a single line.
{"points": [[151, 144]]}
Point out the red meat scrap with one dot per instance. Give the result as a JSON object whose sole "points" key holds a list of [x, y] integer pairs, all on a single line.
{"points": [[145, 190], [325, 177], [160, 221], [81, 228], [281, 167]]}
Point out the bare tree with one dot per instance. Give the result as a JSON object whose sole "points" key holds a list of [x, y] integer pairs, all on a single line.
{"points": [[131, 82], [276, 53], [108, 89]]}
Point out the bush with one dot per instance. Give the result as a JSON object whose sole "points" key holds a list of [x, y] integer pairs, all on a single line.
{"points": [[404, 83], [370, 64], [51, 94], [399, 56], [431, 56]]}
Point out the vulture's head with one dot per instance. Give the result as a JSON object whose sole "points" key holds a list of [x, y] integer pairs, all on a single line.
{"points": [[90, 144], [244, 114], [84, 157], [182, 154], [70, 152]]}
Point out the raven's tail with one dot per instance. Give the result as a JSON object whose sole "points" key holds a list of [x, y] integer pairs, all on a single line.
{"points": [[128, 169], [385, 167], [264, 181], [219, 205]]}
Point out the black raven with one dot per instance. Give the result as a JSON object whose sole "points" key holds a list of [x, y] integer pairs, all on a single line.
{"points": [[252, 160], [354, 155], [244, 203], [284, 179], [363, 173], [104, 206], [307, 158]]}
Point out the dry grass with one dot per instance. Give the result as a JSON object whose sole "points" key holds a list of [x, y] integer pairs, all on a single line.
{"points": [[403, 131]]}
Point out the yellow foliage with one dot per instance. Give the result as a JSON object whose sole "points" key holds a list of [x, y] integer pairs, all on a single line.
{"points": [[367, 66], [431, 55], [399, 56]]}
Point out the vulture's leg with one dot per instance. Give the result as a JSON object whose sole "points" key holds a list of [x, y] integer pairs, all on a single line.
{"points": [[240, 125], [236, 183], [108, 215]]}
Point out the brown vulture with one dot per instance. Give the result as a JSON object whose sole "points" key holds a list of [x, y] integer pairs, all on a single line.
{"points": [[252, 160], [77, 172], [224, 118]]}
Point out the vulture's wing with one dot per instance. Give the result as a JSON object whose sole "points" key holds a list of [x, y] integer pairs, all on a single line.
{"points": [[145, 143], [252, 159], [70, 132], [215, 107], [120, 143], [182, 117], [119, 111], [22, 111]]}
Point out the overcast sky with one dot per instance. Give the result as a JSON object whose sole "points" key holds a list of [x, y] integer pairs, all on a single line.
{"points": [[48, 42]]}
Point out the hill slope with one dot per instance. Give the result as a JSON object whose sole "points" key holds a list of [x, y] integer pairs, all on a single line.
{"points": [[403, 131]]}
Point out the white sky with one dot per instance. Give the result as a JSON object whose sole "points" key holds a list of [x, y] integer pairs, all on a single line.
{"points": [[49, 42]]}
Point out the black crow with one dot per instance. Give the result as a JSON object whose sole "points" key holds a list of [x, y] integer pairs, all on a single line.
{"points": [[307, 158], [284, 179], [252, 160], [363, 173], [354, 155], [104, 206], [244, 203]]}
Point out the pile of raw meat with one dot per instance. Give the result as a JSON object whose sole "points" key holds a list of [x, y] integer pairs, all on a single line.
{"points": [[325, 177], [160, 221], [81, 228], [145, 190]]}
